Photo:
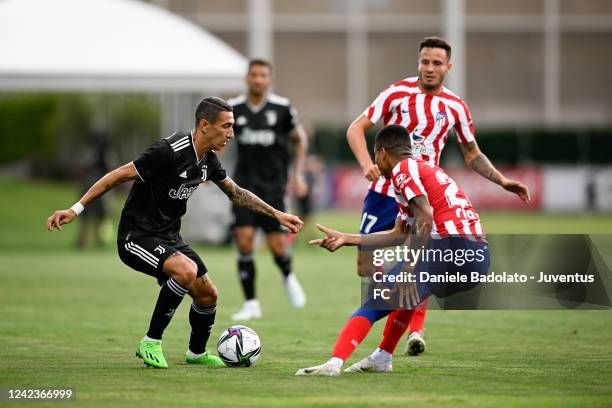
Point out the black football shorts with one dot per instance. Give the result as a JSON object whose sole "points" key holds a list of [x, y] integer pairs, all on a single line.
{"points": [[147, 254]]}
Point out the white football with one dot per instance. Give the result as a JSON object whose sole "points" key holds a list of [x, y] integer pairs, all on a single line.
{"points": [[239, 346]]}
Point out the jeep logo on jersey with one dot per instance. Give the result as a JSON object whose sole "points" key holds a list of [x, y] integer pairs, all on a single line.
{"points": [[182, 193], [272, 117], [263, 137]]}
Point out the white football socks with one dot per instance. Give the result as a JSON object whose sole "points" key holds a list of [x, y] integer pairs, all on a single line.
{"points": [[193, 355], [381, 356], [335, 361]]}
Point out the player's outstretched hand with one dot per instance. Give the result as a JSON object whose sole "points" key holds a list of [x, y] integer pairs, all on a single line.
{"points": [[408, 295], [518, 188], [292, 222], [332, 241], [59, 218]]}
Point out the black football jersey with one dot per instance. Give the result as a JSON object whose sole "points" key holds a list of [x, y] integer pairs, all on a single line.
{"points": [[169, 173], [262, 136]]}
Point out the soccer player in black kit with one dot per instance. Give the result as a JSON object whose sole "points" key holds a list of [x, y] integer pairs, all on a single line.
{"points": [[149, 240], [265, 126]]}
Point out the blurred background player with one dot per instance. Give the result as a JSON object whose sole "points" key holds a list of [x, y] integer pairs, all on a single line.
{"points": [[265, 125], [429, 111], [433, 206], [94, 165], [149, 239]]}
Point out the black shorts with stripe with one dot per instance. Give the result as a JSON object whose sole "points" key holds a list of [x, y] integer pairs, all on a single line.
{"points": [[147, 254]]}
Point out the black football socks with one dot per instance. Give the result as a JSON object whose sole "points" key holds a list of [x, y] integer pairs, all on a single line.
{"points": [[201, 319], [246, 272], [170, 296], [284, 264]]}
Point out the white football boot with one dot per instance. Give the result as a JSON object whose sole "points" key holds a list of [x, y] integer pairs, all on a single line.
{"points": [[326, 369], [294, 290], [415, 344], [251, 310], [368, 364]]}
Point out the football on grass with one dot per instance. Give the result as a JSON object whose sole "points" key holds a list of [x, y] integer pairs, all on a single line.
{"points": [[239, 346]]}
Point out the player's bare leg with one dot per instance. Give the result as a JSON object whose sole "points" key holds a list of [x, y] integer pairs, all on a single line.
{"points": [[182, 273], [202, 317], [277, 242], [245, 238]]}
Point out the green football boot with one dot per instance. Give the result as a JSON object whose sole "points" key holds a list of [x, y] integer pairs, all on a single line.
{"points": [[206, 359], [151, 353]]}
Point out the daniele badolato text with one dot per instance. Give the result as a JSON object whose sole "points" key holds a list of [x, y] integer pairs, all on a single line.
{"points": [[475, 277], [410, 257]]}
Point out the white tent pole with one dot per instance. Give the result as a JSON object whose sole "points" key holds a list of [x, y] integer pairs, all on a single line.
{"points": [[260, 29], [356, 58], [552, 63], [454, 32]]}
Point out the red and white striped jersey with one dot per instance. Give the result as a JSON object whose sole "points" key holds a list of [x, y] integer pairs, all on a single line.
{"points": [[428, 118], [452, 211]]}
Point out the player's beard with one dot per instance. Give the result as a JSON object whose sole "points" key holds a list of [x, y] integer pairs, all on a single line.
{"points": [[257, 93], [431, 87]]}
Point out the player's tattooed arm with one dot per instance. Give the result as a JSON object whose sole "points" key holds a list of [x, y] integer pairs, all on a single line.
{"points": [[244, 198], [478, 161]]}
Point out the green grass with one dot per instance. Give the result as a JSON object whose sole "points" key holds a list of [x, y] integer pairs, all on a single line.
{"points": [[73, 320]]}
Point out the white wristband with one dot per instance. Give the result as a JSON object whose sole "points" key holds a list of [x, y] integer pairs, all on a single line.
{"points": [[77, 208]]}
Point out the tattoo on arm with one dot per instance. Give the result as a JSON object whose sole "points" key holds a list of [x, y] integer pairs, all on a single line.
{"points": [[480, 162], [244, 198], [483, 166]]}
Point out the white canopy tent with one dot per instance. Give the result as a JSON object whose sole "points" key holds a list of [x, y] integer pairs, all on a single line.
{"points": [[122, 46], [110, 45]]}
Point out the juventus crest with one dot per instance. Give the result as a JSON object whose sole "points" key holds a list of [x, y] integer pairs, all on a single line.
{"points": [[271, 117]]}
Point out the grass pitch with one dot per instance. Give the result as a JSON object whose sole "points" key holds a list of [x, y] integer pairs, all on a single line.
{"points": [[74, 319]]}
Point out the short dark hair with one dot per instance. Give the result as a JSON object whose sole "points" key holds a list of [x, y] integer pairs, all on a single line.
{"points": [[209, 109], [395, 139], [260, 62], [436, 42]]}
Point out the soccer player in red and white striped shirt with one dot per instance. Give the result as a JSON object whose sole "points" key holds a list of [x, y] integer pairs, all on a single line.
{"points": [[429, 111], [432, 205]]}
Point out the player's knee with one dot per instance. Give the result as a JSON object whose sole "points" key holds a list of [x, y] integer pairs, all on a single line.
{"points": [[244, 241], [245, 251], [212, 295], [185, 271], [207, 297], [245, 245]]}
